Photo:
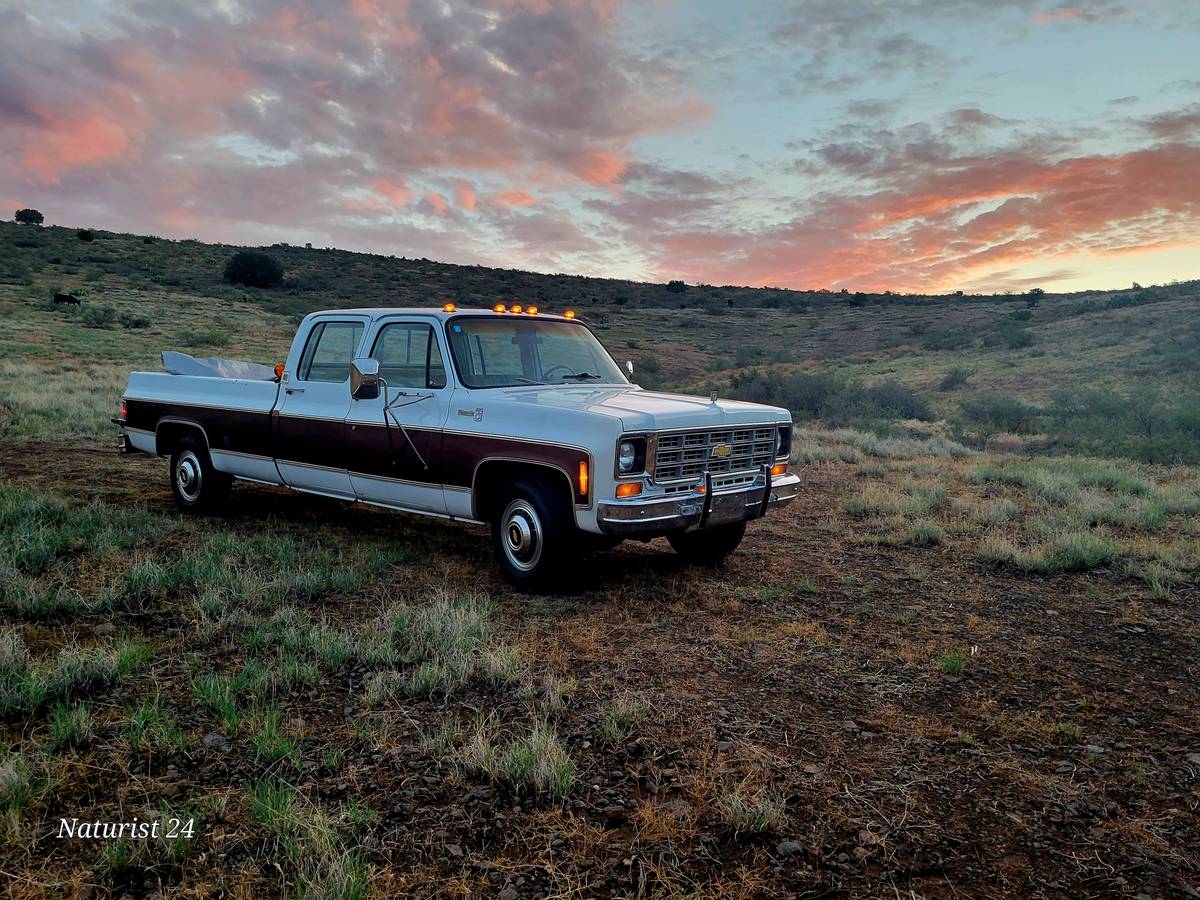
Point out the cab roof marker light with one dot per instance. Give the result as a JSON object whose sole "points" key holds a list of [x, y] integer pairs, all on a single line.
{"points": [[515, 308], [532, 311], [498, 308], [449, 307], [569, 314]]}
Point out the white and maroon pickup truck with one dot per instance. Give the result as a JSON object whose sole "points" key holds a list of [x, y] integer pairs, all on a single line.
{"points": [[506, 417]]}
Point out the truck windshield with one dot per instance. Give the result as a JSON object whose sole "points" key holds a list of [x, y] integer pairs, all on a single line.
{"points": [[509, 351]]}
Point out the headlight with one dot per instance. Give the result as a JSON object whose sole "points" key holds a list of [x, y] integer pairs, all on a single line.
{"points": [[627, 458], [783, 441], [631, 456]]}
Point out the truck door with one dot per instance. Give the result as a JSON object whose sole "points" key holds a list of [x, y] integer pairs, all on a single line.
{"points": [[393, 461], [310, 421]]}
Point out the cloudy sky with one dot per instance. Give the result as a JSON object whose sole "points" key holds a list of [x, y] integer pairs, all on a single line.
{"points": [[867, 144]]}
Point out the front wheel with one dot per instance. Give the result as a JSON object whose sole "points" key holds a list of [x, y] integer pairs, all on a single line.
{"points": [[195, 484], [710, 545], [534, 534]]}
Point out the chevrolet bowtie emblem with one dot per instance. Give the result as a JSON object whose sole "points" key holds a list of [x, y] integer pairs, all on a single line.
{"points": [[722, 450]]}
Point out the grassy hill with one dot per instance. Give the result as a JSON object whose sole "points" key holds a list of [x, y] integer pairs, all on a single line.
{"points": [[1110, 372], [345, 699]]}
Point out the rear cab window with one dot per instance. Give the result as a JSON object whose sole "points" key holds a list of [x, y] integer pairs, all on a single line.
{"points": [[329, 351]]}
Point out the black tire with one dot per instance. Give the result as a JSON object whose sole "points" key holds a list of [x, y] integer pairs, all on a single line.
{"points": [[709, 546], [196, 486], [534, 534]]}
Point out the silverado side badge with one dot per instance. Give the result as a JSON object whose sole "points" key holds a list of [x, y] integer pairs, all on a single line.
{"points": [[476, 413]]}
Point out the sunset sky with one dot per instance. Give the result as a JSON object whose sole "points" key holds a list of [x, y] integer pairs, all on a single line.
{"points": [[916, 145]]}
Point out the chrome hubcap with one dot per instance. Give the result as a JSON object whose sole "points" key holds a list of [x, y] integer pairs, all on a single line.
{"points": [[188, 476], [522, 535]]}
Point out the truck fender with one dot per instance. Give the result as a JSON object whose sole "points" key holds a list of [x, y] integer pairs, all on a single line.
{"points": [[171, 428]]}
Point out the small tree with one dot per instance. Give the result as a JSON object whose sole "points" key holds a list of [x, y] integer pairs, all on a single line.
{"points": [[1034, 297], [29, 217], [254, 268], [85, 235], [676, 286]]}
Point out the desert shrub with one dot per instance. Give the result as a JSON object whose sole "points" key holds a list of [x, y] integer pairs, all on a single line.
{"points": [[86, 235], [1000, 412], [204, 337], [648, 364], [131, 321], [955, 378], [98, 316], [254, 268], [676, 286], [894, 399]]}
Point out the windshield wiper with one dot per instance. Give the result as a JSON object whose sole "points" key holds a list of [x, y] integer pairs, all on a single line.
{"points": [[580, 376]]}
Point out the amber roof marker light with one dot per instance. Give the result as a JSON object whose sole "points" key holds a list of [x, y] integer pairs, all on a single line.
{"points": [[498, 308], [516, 308], [532, 311], [569, 314], [449, 307]]}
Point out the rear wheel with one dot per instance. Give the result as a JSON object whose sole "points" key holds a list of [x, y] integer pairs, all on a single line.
{"points": [[709, 546], [534, 533], [195, 484]]}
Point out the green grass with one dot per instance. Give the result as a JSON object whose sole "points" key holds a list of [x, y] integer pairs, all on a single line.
{"points": [[953, 662], [153, 727], [620, 718], [71, 726], [530, 760], [750, 812]]}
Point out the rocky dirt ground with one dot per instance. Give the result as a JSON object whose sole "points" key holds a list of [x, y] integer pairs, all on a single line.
{"points": [[911, 721]]}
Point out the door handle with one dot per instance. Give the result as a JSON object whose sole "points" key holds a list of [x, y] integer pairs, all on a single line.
{"points": [[293, 390]]}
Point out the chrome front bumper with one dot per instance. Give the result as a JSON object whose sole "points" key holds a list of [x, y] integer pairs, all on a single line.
{"points": [[655, 515]]}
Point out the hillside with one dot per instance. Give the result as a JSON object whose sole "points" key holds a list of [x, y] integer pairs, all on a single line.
{"points": [[950, 662], [1103, 372]]}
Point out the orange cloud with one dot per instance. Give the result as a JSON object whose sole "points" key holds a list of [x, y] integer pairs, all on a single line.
{"points": [[438, 202], [598, 167], [397, 192], [510, 199], [464, 194], [935, 233], [65, 144]]}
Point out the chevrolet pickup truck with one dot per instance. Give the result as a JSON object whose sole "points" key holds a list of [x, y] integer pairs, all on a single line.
{"points": [[506, 417]]}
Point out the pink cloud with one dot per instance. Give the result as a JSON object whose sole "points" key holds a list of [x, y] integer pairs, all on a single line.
{"points": [[439, 203], [597, 167], [510, 199], [397, 192], [464, 194]]}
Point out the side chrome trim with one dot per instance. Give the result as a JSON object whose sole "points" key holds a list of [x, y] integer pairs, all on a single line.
{"points": [[304, 465], [421, 512]]}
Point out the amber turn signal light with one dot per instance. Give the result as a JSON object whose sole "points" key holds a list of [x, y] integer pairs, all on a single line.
{"points": [[449, 307], [583, 478], [701, 489], [628, 490], [778, 469]]}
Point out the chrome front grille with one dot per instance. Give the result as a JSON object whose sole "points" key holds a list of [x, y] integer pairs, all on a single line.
{"points": [[689, 454]]}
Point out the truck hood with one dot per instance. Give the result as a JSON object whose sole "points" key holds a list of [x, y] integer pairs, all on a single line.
{"points": [[640, 410]]}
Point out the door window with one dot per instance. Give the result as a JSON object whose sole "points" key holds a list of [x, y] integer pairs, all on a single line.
{"points": [[409, 356], [329, 351]]}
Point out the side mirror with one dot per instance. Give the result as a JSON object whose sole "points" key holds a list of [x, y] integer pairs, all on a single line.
{"points": [[629, 367], [364, 378]]}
